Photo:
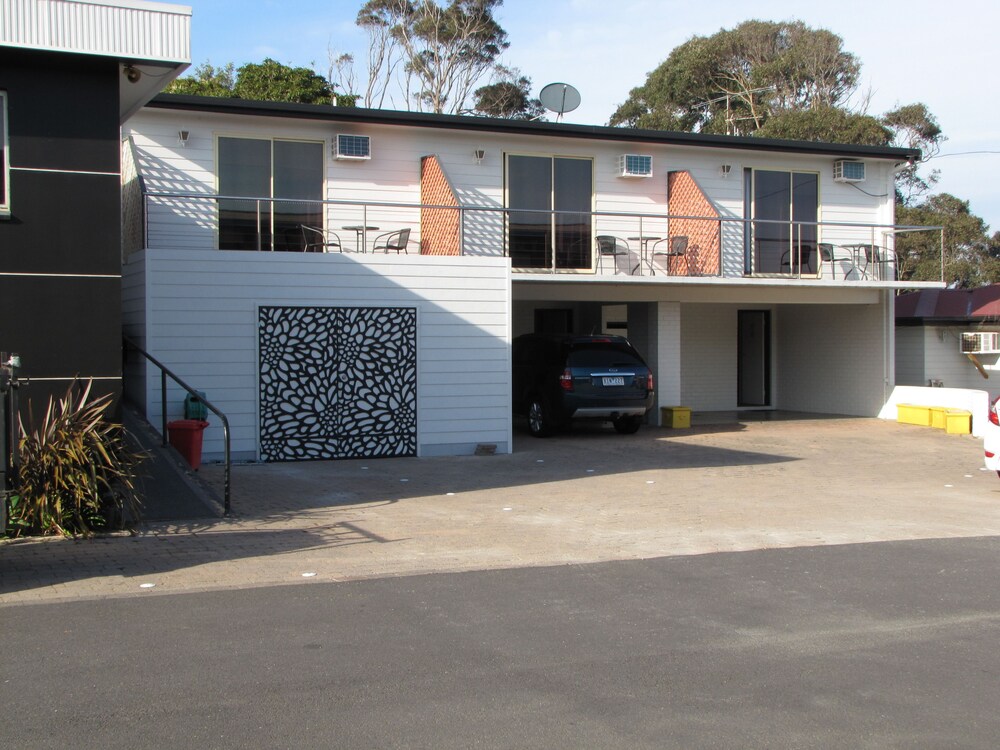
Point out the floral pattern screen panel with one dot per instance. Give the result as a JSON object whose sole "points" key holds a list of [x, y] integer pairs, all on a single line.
{"points": [[337, 382]]}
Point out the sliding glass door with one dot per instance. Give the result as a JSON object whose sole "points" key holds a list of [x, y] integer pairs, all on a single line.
{"points": [[782, 236], [290, 172], [549, 222]]}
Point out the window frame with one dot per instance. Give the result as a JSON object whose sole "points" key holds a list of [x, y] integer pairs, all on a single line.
{"points": [[273, 200], [751, 262], [553, 225], [4, 157]]}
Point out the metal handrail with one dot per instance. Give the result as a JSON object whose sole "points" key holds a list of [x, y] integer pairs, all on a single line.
{"points": [[164, 372], [464, 209]]}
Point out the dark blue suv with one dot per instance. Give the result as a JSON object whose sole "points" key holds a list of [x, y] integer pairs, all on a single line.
{"points": [[558, 378]]}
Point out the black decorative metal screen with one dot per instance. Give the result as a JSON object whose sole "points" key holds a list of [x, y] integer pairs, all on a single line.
{"points": [[337, 382]]}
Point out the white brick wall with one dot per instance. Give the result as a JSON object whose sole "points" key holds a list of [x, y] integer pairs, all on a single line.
{"points": [[708, 370], [831, 358]]}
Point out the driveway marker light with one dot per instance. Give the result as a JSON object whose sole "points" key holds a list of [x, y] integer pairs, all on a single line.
{"points": [[539, 460], [146, 585], [508, 509], [949, 485], [650, 481], [404, 480], [450, 494], [308, 575]]}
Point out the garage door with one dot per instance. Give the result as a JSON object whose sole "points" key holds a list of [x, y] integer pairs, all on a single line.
{"points": [[337, 382]]}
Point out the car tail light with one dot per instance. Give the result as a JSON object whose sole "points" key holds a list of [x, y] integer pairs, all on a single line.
{"points": [[566, 380], [989, 455], [993, 412], [649, 381]]}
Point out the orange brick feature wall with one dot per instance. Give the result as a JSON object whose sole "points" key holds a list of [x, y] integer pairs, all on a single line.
{"points": [[439, 227], [685, 198]]}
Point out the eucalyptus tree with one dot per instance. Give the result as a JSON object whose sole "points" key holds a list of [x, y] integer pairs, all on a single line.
{"points": [[441, 52], [507, 96], [736, 80]]}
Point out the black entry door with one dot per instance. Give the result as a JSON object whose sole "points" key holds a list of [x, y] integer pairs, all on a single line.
{"points": [[754, 358]]}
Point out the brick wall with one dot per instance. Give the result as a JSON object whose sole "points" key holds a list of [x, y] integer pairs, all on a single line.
{"points": [[685, 198], [439, 228]]}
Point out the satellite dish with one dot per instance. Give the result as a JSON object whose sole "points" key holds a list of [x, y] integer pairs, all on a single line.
{"points": [[559, 98]]}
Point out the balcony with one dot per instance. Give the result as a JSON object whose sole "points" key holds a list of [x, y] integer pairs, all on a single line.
{"points": [[621, 246]]}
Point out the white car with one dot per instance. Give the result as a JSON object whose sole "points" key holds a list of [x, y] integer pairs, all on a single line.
{"points": [[991, 440]]}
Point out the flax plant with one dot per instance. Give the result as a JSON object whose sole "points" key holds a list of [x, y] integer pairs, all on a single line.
{"points": [[76, 471]]}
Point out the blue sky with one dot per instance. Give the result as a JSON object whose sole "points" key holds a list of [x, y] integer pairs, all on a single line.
{"points": [[940, 53]]}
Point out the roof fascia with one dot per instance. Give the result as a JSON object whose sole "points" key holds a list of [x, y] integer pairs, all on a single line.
{"points": [[520, 127]]}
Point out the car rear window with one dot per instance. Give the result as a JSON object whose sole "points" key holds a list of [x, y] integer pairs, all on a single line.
{"points": [[603, 355]]}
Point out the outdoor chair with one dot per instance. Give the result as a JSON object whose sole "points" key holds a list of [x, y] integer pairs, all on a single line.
{"points": [[874, 262], [806, 253], [392, 241], [319, 241], [834, 254], [611, 247], [673, 247]]}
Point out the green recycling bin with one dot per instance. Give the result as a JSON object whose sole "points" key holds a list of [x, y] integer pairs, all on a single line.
{"points": [[194, 406]]}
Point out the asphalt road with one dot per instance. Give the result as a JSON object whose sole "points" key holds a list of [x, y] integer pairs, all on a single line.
{"points": [[883, 645]]}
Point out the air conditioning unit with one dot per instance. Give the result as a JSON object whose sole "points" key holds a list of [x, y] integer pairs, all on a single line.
{"points": [[845, 170], [980, 343], [352, 147], [635, 165]]}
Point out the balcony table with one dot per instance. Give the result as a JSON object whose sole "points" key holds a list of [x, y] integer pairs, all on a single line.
{"points": [[360, 230], [643, 241]]}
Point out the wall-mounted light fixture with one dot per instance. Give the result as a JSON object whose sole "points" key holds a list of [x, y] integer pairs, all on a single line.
{"points": [[725, 169], [132, 73], [182, 137], [479, 154]]}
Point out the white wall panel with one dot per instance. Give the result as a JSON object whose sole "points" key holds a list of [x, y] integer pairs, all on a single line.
{"points": [[201, 316]]}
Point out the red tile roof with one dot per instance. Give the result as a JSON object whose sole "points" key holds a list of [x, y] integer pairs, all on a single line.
{"points": [[965, 304]]}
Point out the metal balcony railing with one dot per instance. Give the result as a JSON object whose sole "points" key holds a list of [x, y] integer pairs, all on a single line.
{"points": [[537, 241]]}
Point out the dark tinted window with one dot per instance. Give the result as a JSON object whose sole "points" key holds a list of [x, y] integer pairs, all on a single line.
{"points": [[604, 355]]}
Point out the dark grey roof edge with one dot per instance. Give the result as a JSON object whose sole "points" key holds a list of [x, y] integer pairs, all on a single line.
{"points": [[519, 127]]}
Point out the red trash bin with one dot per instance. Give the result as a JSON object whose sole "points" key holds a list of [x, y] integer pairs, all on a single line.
{"points": [[186, 435]]}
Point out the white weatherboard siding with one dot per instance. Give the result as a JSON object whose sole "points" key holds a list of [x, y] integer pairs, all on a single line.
{"points": [[392, 175], [201, 321], [926, 353]]}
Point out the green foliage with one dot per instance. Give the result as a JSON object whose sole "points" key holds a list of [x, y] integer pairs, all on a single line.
{"points": [[735, 80], [914, 126], [508, 96], [267, 81], [76, 470], [969, 260], [270, 81], [207, 81], [827, 125]]}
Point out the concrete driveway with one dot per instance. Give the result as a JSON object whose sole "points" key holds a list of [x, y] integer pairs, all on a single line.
{"points": [[585, 496]]}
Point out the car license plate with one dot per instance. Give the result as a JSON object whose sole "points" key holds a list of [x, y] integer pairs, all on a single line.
{"points": [[617, 380]]}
